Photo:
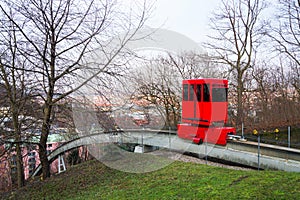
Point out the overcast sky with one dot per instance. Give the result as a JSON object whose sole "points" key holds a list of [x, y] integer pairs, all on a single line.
{"points": [[188, 17]]}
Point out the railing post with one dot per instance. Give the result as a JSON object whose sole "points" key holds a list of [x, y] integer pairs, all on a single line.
{"points": [[256, 133], [289, 137], [242, 130], [258, 151], [142, 139], [169, 137], [206, 149]]}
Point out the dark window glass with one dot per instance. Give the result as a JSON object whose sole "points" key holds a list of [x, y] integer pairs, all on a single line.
{"points": [[14, 160], [191, 97], [14, 169], [198, 92], [206, 93], [219, 94], [185, 92], [31, 153]]}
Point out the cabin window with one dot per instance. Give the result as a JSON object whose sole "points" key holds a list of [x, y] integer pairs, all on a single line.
{"points": [[206, 93], [198, 92], [191, 97], [185, 92], [219, 94]]}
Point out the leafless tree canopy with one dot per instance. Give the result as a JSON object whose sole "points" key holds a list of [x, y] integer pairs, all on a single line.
{"points": [[158, 81], [235, 40], [285, 32], [55, 37], [17, 95]]}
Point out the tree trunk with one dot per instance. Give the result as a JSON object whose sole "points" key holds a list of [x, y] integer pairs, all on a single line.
{"points": [[44, 161], [240, 88], [20, 168], [43, 141]]}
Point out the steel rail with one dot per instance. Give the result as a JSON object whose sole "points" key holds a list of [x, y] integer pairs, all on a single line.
{"points": [[265, 149]]}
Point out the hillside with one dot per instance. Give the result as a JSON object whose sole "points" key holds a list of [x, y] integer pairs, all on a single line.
{"points": [[180, 180]]}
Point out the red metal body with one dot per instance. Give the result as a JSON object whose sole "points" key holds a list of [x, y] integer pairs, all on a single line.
{"points": [[204, 111]]}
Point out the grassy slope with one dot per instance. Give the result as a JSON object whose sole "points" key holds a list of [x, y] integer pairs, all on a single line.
{"points": [[93, 180]]}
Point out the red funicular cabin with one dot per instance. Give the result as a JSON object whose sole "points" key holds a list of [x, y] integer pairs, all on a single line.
{"points": [[204, 111]]}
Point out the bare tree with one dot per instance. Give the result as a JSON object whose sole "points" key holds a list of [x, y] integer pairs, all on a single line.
{"points": [[271, 101], [237, 35], [191, 65], [58, 35], [286, 35], [17, 93], [159, 81], [285, 106], [163, 96]]}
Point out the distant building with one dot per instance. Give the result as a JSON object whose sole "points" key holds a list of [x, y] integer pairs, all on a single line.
{"points": [[8, 162]]}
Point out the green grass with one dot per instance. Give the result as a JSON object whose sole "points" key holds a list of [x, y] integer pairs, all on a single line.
{"points": [[179, 180]]}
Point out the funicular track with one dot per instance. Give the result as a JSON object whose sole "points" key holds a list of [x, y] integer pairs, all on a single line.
{"points": [[242, 152]]}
